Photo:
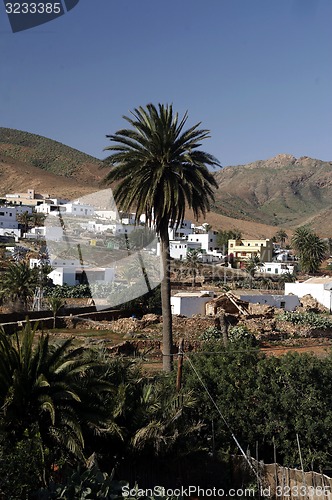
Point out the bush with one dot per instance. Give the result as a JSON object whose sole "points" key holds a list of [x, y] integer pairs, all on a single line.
{"points": [[307, 318], [211, 333], [241, 334]]}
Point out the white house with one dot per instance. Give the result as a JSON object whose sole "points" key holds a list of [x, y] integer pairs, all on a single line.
{"points": [[52, 233], [277, 268], [8, 218], [72, 275], [78, 209], [178, 248], [319, 288], [207, 240], [49, 208], [286, 302], [56, 262], [14, 233], [188, 304], [182, 231], [110, 215], [285, 256]]}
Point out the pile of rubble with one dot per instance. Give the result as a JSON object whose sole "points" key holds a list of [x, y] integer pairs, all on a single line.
{"points": [[309, 304]]}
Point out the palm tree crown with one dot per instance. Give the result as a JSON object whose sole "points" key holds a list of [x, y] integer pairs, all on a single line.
{"points": [[160, 168], [161, 172], [310, 249]]}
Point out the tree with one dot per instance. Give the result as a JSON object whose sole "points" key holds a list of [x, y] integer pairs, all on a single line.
{"points": [[193, 262], [310, 249], [23, 219], [251, 265], [18, 284], [281, 236], [53, 392], [55, 304], [160, 172], [224, 236]]}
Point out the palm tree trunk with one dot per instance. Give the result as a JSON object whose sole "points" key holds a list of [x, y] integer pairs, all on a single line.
{"points": [[166, 302]]}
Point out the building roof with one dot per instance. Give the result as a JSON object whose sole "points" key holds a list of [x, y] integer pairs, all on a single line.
{"points": [[194, 294], [319, 280]]}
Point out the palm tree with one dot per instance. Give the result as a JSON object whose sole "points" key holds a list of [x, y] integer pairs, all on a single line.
{"points": [[52, 391], [310, 249], [281, 236], [251, 266], [160, 172], [18, 284], [55, 304], [165, 423], [192, 262], [24, 219]]}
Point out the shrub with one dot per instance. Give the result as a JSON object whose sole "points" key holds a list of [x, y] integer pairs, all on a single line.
{"points": [[211, 333], [307, 318], [241, 334]]}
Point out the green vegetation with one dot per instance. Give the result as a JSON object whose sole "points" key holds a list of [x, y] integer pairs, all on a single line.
{"points": [[161, 172], [69, 416], [224, 236], [193, 263], [281, 236], [307, 318], [265, 401], [310, 249], [18, 285]]}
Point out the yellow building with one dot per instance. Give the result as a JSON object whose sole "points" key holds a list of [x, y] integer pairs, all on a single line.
{"points": [[241, 250]]}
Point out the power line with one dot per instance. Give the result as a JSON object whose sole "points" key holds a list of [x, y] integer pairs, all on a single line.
{"points": [[223, 418]]}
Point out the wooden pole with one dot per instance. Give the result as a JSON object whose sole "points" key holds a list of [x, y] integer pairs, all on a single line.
{"points": [[180, 365]]}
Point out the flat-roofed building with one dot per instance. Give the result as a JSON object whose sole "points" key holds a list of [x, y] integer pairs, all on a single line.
{"points": [[241, 251]]}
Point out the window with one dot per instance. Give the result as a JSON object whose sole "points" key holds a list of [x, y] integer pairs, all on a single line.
{"points": [[248, 244], [276, 271], [282, 304], [10, 214], [2, 213], [269, 269]]}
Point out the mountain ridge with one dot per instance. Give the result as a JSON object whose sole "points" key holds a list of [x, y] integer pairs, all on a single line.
{"points": [[282, 191]]}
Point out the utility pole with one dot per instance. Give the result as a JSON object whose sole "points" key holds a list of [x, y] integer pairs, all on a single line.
{"points": [[180, 365]]}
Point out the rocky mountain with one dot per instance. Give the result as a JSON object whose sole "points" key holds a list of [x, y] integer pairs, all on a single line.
{"points": [[281, 191]]}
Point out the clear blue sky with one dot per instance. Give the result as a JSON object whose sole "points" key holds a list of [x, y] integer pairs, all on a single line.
{"points": [[256, 73]]}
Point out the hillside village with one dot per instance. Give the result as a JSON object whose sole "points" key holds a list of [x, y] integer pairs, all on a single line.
{"points": [[101, 227], [76, 272]]}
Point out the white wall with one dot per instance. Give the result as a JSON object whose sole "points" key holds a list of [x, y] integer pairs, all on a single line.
{"points": [[188, 306], [61, 276], [5, 231], [52, 233], [291, 301], [179, 248], [207, 240], [318, 291], [79, 210], [276, 268]]}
